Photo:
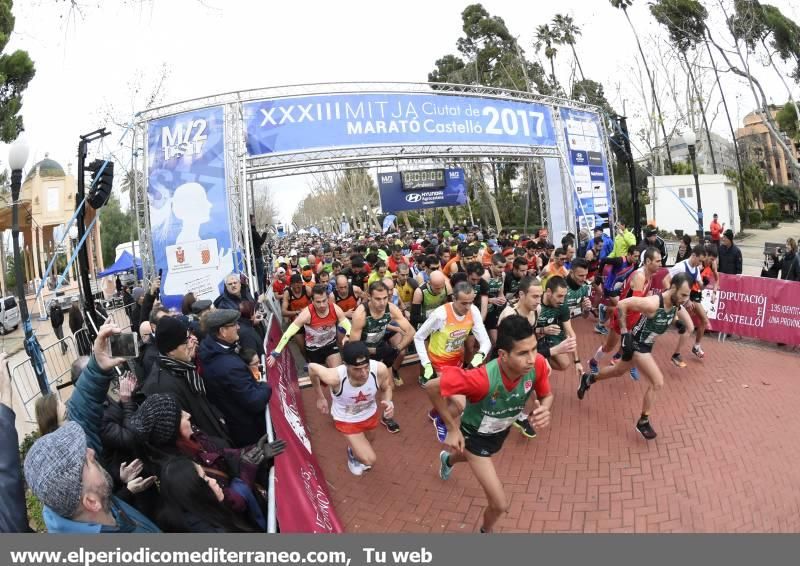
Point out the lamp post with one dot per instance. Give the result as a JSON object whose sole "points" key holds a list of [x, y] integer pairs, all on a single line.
{"points": [[691, 139], [366, 218], [17, 157]]}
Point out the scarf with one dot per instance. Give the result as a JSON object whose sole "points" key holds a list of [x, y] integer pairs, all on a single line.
{"points": [[184, 370]]}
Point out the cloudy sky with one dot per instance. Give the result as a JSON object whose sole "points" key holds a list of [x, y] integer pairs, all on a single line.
{"points": [[108, 54]]}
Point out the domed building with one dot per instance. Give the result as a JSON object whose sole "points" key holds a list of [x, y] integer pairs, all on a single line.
{"points": [[47, 201]]}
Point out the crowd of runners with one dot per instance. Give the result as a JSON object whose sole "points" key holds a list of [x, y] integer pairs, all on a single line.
{"points": [[489, 318]]}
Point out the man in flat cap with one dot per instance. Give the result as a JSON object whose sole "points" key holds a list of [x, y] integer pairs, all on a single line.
{"points": [[230, 384]]}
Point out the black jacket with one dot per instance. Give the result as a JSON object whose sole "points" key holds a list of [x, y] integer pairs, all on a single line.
{"points": [[149, 357], [790, 267], [249, 337], [205, 415], [228, 301], [231, 386], [56, 315], [13, 515], [730, 260]]}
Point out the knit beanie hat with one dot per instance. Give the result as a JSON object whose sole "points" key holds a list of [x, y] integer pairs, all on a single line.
{"points": [[137, 293], [54, 468], [170, 333], [157, 420]]}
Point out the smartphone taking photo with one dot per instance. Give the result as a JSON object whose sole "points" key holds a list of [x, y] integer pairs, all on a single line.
{"points": [[124, 345]]}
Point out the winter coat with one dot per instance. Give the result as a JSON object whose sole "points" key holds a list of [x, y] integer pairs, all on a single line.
{"points": [[790, 267], [228, 301], [86, 404], [56, 315], [250, 338], [134, 521], [730, 260], [230, 385], [13, 515], [205, 415]]}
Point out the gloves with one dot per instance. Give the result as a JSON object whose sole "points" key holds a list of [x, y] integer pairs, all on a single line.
{"points": [[253, 455], [271, 449], [476, 360], [427, 371], [627, 347]]}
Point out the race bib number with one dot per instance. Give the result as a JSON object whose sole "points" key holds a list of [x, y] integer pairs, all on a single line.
{"points": [[493, 425]]}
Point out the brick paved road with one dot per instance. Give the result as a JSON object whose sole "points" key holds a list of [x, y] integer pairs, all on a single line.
{"points": [[727, 457]]}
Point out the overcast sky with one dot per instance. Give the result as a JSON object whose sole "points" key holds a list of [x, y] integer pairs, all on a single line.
{"points": [[89, 61]]}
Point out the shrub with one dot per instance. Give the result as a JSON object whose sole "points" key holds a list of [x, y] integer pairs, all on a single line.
{"points": [[754, 217], [772, 211], [765, 226]]}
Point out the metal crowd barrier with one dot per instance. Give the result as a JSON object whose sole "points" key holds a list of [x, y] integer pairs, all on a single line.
{"points": [[272, 521], [120, 317], [58, 358]]}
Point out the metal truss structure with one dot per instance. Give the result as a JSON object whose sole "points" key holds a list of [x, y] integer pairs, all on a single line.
{"points": [[241, 169]]}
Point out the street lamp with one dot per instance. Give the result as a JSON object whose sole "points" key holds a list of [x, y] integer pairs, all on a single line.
{"points": [[366, 219], [17, 157], [691, 139]]}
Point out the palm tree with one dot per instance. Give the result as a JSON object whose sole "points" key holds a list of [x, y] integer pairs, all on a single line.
{"points": [[624, 5], [547, 38], [568, 33]]}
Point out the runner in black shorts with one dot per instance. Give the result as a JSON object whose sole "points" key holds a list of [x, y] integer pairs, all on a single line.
{"points": [[495, 394], [495, 278]]}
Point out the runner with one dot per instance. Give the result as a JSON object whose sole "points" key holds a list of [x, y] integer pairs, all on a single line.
{"points": [[554, 325], [448, 327], [406, 286], [519, 269], [614, 276], [495, 277], [637, 285], [493, 395], [346, 295], [295, 299], [429, 297], [354, 408], [656, 313], [319, 321], [692, 267], [373, 318]]}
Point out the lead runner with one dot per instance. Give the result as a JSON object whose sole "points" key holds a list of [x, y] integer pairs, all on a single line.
{"points": [[495, 395]]}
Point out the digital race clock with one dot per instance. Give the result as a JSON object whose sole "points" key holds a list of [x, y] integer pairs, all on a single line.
{"points": [[423, 179]]}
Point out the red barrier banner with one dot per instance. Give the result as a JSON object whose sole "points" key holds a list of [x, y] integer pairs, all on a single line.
{"points": [[757, 307], [302, 499]]}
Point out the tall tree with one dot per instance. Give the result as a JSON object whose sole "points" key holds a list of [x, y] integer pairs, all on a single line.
{"points": [[115, 228], [547, 38], [16, 71], [568, 34], [624, 5]]}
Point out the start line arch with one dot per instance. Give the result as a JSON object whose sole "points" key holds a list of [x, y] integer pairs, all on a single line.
{"points": [[197, 156]]}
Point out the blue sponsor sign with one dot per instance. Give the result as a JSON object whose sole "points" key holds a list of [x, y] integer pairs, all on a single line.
{"points": [[351, 120], [188, 204], [589, 167], [395, 199]]}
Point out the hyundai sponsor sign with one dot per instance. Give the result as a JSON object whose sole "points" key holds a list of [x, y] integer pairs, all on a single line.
{"points": [[397, 196]]}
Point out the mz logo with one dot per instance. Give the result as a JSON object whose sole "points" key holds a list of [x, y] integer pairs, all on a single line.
{"points": [[413, 197]]}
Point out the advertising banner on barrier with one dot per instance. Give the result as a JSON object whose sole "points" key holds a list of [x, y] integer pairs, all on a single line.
{"points": [[399, 193], [188, 204], [328, 121], [588, 165], [302, 499], [757, 307]]}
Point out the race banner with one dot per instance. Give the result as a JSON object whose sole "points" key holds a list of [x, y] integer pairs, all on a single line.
{"points": [[302, 500], [328, 121], [588, 165], [398, 194], [188, 204], [756, 307]]}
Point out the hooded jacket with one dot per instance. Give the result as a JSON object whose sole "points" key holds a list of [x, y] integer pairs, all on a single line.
{"points": [[230, 385]]}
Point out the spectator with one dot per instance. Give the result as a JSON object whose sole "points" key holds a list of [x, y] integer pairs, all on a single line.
{"points": [[730, 256], [176, 373], [623, 240], [249, 326], [135, 309], [232, 295], [75, 325], [790, 266], [230, 383], [258, 242], [253, 361], [63, 472], [198, 308], [652, 239], [13, 515], [186, 304], [716, 230], [51, 413], [684, 249], [57, 322], [148, 353]]}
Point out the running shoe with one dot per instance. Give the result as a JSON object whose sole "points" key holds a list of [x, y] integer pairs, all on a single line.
{"points": [[390, 424], [356, 468], [634, 374], [441, 428], [433, 415], [601, 313], [594, 367], [600, 329], [678, 360], [398, 381], [525, 427], [444, 469], [585, 384], [698, 351], [645, 429]]}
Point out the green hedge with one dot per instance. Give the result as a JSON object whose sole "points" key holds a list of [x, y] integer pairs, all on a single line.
{"points": [[772, 211], [754, 217]]}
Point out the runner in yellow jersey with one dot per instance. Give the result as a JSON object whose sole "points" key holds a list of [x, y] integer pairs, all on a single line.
{"points": [[448, 327]]}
